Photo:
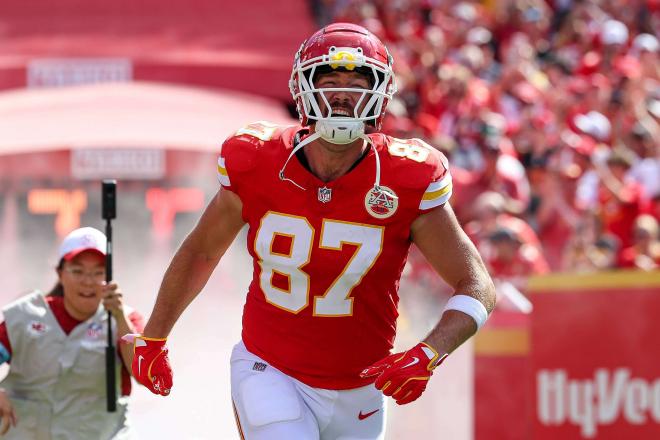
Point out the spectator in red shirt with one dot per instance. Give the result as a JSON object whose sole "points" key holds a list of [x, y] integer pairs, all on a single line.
{"points": [[489, 216], [502, 173], [588, 250], [644, 254], [552, 211], [512, 260], [646, 169], [620, 200]]}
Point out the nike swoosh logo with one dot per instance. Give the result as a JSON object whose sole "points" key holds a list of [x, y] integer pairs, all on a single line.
{"points": [[414, 361], [140, 359], [364, 416]]}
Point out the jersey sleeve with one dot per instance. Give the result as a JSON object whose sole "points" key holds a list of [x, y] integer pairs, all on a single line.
{"points": [[238, 155], [422, 169], [223, 176], [439, 185], [439, 191]]}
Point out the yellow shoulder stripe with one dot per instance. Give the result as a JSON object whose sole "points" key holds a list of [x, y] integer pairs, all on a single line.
{"points": [[435, 194]]}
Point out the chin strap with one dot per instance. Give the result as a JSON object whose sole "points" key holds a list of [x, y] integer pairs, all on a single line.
{"points": [[308, 140], [377, 186], [311, 138]]}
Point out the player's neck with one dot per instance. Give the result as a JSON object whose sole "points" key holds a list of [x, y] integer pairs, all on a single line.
{"points": [[329, 161]]}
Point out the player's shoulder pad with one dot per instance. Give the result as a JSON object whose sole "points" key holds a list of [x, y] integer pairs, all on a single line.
{"points": [[415, 163], [240, 151]]}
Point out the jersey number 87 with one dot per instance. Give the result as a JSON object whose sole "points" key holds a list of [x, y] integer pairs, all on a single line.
{"points": [[336, 300]]}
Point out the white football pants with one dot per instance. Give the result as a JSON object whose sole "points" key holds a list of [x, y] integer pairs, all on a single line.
{"points": [[270, 405]]}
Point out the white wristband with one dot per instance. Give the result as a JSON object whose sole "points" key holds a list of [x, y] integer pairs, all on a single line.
{"points": [[470, 306]]}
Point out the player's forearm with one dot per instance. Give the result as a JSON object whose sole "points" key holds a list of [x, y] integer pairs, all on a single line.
{"points": [[184, 279], [456, 327], [441, 240], [451, 332]]}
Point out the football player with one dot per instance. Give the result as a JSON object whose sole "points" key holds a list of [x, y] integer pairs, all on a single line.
{"points": [[332, 207]]}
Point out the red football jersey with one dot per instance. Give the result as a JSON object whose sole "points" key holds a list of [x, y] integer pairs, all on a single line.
{"points": [[327, 257]]}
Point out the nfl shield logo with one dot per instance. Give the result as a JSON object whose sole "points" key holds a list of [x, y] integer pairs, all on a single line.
{"points": [[325, 194]]}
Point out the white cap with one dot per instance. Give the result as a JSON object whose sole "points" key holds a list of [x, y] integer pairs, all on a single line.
{"points": [[645, 42], [465, 11], [82, 239], [594, 124], [614, 32], [479, 35]]}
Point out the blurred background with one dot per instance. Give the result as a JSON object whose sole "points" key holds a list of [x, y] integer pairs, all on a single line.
{"points": [[548, 111]]}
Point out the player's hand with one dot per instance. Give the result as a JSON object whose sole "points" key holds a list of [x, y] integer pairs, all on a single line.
{"points": [[404, 375], [151, 366], [7, 413]]}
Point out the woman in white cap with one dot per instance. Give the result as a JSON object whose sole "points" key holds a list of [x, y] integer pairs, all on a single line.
{"points": [[55, 345]]}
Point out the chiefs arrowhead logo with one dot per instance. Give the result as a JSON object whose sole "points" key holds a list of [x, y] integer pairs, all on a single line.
{"points": [[381, 202]]}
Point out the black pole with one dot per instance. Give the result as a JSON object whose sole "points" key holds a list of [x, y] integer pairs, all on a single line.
{"points": [[109, 197]]}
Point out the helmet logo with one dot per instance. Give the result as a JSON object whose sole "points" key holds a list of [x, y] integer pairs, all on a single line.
{"points": [[347, 57], [343, 56], [381, 202]]}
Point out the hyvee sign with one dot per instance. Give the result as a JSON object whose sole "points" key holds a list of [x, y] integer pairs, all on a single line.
{"points": [[608, 397], [596, 357]]}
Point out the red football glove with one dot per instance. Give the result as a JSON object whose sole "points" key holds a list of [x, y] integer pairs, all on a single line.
{"points": [[404, 375], [151, 366]]}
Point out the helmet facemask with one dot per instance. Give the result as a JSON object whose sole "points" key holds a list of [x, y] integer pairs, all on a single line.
{"points": [[314, 104]]}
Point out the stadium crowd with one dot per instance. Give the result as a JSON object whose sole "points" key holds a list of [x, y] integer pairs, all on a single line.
{"points": [[548, 111]]}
